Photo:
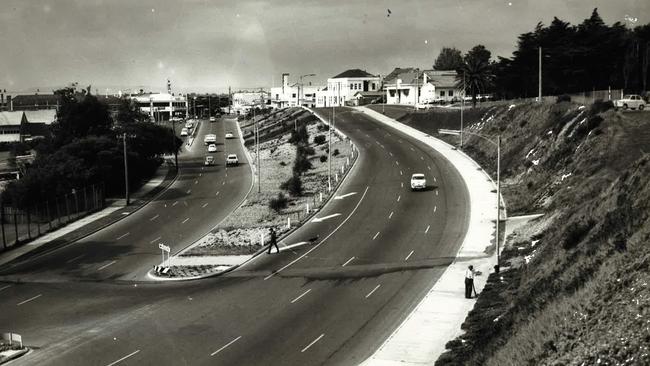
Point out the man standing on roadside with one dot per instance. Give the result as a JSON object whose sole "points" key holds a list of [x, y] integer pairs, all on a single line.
{"points": [[469, 281], [273, 242]]}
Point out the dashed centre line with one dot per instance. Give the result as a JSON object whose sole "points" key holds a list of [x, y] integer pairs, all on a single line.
{"points": [[224, 347], [174, 204], [217, 193], [298, 298], [427, 229], [153, 218], [376, 235], [189, 191], [398, 198], [106, 265], [400, 173], [421, 158], [4, 288], [391, 215], [205, 205], [312, 343], [75, 258], [122, 236], [30, 299], [186, 220], [408, 256], [155, 240], [124, 358], [347, 262], [435, 208], [397, 162], [373, 290], [428, 167]]}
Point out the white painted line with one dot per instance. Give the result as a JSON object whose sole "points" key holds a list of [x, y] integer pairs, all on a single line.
{"points": [[122, 236], [312, 343], [186, 220], [105, 265], [200, 174], [205, 205], [224, 347], [6, 287], [412, 149], [123, 358], [391, 215], [348, 261], [391, 154], [345, 195], [398, 198], [324, 239], [428, 167], [217, 193], [408, 256], [196, 182], [321, 219], [153, 218], [400, 173], [74, 259], [224, 183], [155, 240], [436, 207], [397, 162], [421, 158], [189, 191], [298, 298], [427, 230], [28, 300], [402, 184], [436, 192], [373, 290], [376, 235], [175, 203], [434, 179]]}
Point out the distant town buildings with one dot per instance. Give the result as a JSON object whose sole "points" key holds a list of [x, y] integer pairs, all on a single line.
{"points": [[161, 106], [303, 94], [243, 101], [341, 89], [20, 126]]}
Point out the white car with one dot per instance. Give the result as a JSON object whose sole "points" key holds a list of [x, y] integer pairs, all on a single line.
{"points": [[212, 148], [231, 159], [210, 139], [189, 124], [212, 119], [418, 181], [229, 135], [209, 160], [184, 132], [631, 101]]}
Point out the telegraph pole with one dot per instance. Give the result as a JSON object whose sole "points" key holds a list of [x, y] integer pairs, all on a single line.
{"points": [[126, 170], [540, 76]]}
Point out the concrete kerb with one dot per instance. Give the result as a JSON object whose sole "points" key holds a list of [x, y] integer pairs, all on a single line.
{"points": [[444, 308], [13, 357], [151, 274]]}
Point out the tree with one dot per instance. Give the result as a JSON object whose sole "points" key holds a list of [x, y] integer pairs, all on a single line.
{"points": [[476, 74], [79, 115], [128, 112], [449, 58]]}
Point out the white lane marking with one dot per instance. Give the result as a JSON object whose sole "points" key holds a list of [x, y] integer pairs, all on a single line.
{"points": [[398, 198], [217, 193], [376, 235], [312, 343], [321, 219], [391, 215], [186, 220], [421, 158], [408, 256], [347, 262], [155, 240], [391, 154], [200, 174], [224, 183], [6, 287], [153, 218], [434, 179], [428, 167], [105, 265], [122, 236], [189, 191], [397, 162], [373, 290], [427, 230], [436, 192], [175, 203], [123, 358], [224, 347], [402, 184], [324, 239], [345, 195], [298, 298], [205, 205], [435, 208], [74, 259], [30, 299], [400, 173], [412, 149], [196, 182]]}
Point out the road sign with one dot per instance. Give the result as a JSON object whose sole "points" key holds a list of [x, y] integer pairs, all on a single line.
{"points": [[164, 247], [443, 131]]}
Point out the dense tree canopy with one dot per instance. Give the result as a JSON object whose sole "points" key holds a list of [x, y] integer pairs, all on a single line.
{"points": [[449, 58]]}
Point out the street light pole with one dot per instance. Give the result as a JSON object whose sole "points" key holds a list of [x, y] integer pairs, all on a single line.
{"points": [[174, 142], [126, 170], [462, 103], [301, 88]]}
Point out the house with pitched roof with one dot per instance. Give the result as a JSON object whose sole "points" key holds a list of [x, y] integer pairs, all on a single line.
{"points": [[412, 86], [12, 125], [342, 87]]}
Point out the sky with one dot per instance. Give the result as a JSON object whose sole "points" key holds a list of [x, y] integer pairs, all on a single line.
{"points": [[206, 46]]}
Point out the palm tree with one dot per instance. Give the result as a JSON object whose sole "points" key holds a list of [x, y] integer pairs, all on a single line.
{"points": [[475, 76]]}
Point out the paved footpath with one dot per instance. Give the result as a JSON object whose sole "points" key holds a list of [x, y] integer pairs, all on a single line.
{"points": [[421, 338], [87, 225]]}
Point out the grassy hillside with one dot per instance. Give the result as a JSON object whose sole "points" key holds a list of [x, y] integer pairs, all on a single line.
{"points": [[574, 289]]}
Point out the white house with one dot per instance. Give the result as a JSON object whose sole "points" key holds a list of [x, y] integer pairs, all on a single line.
{"points": [[402, 86], [410, 86], [293, 95], [161, 106], [439, 85], [11, 126], [243, 101], [342, 87]]}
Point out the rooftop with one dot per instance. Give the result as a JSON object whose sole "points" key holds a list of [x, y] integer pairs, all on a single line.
{"points": [[354, 73], [11, 118], [46, 116]]}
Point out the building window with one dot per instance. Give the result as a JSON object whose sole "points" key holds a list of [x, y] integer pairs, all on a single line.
{"points": [[374, 86], [451, 93], [442, 93], [293, 95], [392, 93]]}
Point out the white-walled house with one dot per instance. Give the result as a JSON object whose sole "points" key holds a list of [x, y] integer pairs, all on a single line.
{"points": [[410, 86], [293, 95], [342, 87]]}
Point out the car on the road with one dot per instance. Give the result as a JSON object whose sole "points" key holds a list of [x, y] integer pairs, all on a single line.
{"points": [[231, 159], [229, 135], [212, 148], [209, 160], [184, 132], [631, 101], [213, 119], [189, 124], [210, 139], [418, 181]]}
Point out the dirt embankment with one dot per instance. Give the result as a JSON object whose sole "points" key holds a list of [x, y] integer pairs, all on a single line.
{"points": [[574, 289]]}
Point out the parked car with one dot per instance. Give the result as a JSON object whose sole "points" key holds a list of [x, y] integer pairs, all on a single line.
{"points": [[631, 101], [212, 148], [209, 160], [229, 135], [231, 159], [184, 132], [213, 119], [418, 181]]}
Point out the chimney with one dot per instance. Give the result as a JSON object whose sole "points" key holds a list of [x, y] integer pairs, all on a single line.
{"points": [[424, 78]]}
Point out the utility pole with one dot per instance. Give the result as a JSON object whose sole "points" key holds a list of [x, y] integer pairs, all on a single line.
{"points": [[329, 152], [126, 170], [498, 195], [174, 143], [540, 76], [462, 103], [229, 100]]}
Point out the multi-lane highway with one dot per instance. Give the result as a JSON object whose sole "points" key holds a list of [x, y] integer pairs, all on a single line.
{"points": [[200, 197], [332, 300]]}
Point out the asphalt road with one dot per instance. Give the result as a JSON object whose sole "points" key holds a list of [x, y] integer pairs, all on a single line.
{"points": [[200, 197], [331, 301]]}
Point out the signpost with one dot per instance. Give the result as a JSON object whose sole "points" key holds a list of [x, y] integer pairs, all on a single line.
{"points": [[164, 248]]}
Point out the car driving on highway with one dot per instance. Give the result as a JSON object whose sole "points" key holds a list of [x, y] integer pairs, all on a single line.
{"points": [[212, 148], [418, 182], [229, 135], [631, 101], [209, 160], [232, 160], [184, 132]]}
